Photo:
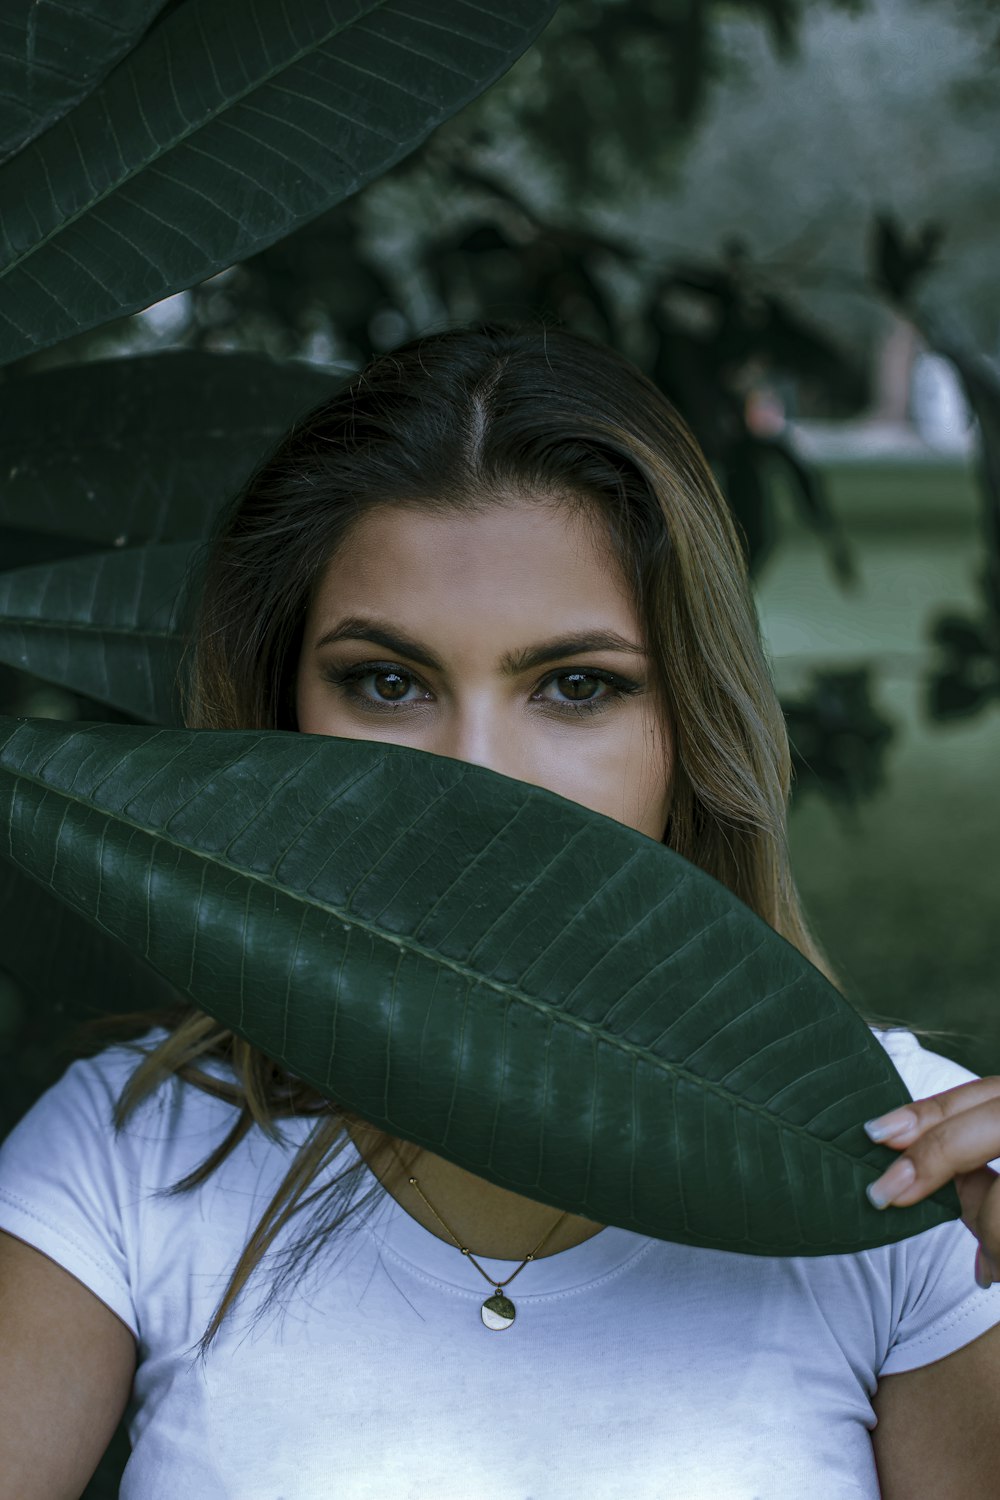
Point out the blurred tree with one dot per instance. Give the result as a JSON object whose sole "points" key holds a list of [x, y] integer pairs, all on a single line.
{"points": [[966, 678], [621, 83]]}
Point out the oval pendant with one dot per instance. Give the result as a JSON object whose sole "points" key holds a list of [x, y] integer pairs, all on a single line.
{"points": [[498, 1311]]}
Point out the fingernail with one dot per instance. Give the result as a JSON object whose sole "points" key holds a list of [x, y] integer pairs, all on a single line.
{"points": [[986, 1272], [896, 1122], [891, 1184]]}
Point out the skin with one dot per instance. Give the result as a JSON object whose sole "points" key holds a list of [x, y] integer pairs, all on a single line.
{"points": [[469, 589], [951, 1135], [939, 1426]]}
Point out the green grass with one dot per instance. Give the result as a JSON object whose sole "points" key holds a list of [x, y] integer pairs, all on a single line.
{"points": [[931, 496]]}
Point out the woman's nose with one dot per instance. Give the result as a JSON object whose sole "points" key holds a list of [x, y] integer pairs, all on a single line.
{"points": [[479, 741]]}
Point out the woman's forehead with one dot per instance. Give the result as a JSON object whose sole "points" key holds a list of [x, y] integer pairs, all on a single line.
{"points": [[503, 568]]}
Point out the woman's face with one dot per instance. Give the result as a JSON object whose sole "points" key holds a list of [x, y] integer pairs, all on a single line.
{"points": [[435, 618]]}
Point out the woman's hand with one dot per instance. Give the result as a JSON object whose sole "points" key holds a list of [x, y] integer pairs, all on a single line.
{"points": [[950, 1135]]}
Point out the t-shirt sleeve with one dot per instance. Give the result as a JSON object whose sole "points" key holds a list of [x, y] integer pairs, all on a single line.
{"points": [[63, 1183], [940, 1307]]}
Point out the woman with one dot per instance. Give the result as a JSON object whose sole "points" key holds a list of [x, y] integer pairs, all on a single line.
{"points": [[500, 545]]}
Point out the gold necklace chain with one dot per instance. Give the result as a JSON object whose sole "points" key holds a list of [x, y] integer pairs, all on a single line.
{"points": [[502, 1318]]}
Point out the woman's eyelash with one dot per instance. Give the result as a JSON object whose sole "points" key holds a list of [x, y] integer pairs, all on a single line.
{"points": [[346, 679]]}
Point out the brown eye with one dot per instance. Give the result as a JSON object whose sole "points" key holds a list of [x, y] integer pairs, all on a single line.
{"points": [[590, 701], [396, 678], [579, 680], [384, 677]]}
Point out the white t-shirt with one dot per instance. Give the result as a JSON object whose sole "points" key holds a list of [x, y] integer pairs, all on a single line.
{"points": [[634, 1368]]}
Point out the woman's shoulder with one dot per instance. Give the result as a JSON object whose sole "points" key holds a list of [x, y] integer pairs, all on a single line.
{"points": [[79, 1106], [923, 1070]]}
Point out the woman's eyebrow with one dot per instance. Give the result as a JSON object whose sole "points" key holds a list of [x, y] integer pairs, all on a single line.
{"points": [[358, 628]]}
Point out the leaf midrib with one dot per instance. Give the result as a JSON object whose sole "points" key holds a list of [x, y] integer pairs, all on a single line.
{"points": [[588, 1028]]}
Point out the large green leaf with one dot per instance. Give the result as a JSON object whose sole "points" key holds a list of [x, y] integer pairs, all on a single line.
{"points": [[125, 451], [222, 132], [531, 990], [53, 55], [106, 625]]}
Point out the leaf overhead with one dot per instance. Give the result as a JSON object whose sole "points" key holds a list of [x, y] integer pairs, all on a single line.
{"points": [[537, 993], [106, 625], [126, 451], [220, 134], [51, 56]]}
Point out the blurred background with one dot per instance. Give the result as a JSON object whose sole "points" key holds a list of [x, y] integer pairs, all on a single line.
{"points": [[788, 215]]}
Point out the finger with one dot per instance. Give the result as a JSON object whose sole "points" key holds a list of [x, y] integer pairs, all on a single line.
{"points": [[960, 1143], [910, 1121], [987, 1226], [980, 1196], [980, 1200]]}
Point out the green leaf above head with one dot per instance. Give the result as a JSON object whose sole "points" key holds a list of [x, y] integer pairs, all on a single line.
{"points": [[52, 56], [147, 448], [533, 991], [106, 625], [220, 134]]}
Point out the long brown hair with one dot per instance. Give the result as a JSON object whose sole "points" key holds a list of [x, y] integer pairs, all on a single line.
{"points": [[457, 421]]}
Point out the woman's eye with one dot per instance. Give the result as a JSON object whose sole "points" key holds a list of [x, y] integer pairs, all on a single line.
{"points": [[395, 682], [588, 684], [394, 677]]}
